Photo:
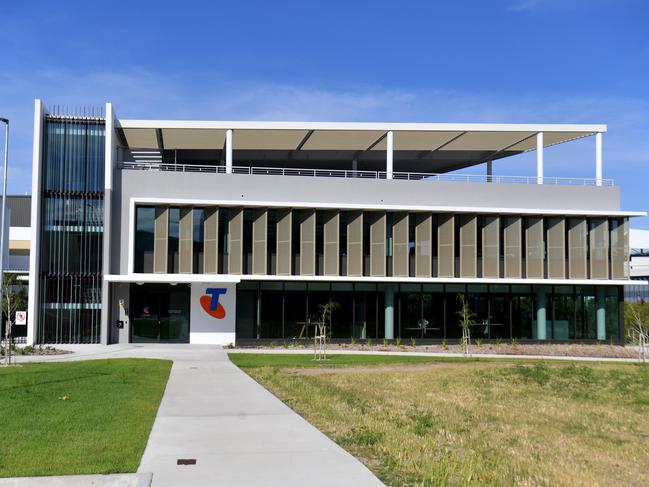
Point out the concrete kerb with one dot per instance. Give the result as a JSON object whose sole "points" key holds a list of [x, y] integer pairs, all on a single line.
{"points": [[112, 480]]}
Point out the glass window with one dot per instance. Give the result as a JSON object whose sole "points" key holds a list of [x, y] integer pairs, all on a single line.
{"points": [[199, 240], [612, 313], [174, 232], [144, 239]]}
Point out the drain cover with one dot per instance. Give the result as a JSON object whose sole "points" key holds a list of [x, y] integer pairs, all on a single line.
{"points": [[186, 461]]}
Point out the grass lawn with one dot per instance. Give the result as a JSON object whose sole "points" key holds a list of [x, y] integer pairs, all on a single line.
{"points": [[78, 417], [441, 422]]}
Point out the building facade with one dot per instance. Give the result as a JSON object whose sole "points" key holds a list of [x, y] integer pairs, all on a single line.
{"points": [[216, 232], [638, 291]]}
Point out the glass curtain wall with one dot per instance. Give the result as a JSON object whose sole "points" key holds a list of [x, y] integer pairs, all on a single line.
{"points": [[284, 310], [72, 224]]}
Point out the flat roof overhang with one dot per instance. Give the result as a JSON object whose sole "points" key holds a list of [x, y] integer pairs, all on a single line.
{"points": [[422, 147]]}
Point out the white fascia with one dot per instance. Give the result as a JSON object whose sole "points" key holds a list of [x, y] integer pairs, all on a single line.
{"points": [[432, 209], [171, 278], [381, 126], [442, 280], [39, 113]]}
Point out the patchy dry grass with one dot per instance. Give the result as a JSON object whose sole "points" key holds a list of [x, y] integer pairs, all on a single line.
{"points": [[489, 424]]}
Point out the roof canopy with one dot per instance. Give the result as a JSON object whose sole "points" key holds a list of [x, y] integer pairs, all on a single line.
{"points": [[417, 146]]}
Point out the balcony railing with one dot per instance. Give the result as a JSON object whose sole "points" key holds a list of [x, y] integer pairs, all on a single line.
{"points": [[343, 173]]}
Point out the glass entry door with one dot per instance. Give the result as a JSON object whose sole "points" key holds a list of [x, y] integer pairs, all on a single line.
{"points": [[160, 313]]}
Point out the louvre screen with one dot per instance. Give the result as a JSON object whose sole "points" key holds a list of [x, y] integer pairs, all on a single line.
{"points": [[512, 241], [72, 226], [446, 246]]}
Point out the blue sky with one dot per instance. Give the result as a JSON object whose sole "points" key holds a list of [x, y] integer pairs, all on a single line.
{"points": [[551, 61]]}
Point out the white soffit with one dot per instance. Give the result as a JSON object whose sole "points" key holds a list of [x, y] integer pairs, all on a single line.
{"points": [[342, 139], [267, 139], [141, 138], [411, 140], [490, 141], [193, 138]]}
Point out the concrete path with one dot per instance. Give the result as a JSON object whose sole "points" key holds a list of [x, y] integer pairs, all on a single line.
{"points": [[238, 432]]}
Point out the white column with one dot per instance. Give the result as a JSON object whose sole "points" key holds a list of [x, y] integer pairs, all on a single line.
{"points": [[539, 158], [228, 151], [598, 158], [490, 171], [389, 155]]}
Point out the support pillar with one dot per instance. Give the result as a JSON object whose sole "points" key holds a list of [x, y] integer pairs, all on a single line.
{"points": [[541, 323], [389, 312], [228, 151], [490, 171], [598, 159], [355, 168], [390, 154], [601, 312], [539, 158]]}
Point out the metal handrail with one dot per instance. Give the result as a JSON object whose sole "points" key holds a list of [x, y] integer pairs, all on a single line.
{"points": [[344, 173]]}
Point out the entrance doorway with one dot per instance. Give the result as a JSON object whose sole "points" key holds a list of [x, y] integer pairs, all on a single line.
{"points": [[160, 313]]}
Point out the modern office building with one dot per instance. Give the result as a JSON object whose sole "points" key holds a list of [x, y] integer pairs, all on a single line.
{"points": [[216, 232], [638, 290], [16, 253]]}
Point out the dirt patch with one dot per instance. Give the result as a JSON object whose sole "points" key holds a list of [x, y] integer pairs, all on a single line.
{"points": [[542, 349]]}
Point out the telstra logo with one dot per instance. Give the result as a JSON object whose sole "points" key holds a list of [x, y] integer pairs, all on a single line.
{"points": [[210, 302]]}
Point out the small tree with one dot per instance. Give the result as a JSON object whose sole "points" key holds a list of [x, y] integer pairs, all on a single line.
{"points": [[12, 301], [638, 330], [322, 322], [466, 319]]}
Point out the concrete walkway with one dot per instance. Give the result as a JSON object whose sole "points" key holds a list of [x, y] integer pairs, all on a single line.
{"points": [[238, 432]]}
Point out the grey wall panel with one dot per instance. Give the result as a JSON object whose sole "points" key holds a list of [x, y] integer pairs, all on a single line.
{"points": [[235, 241], [259, 240], [307, 242], [446, 246], [331, 232], [284, 237], [161, 239], [378, 221], [490, 246], [599, 248], [423, 245], [211, 240], [556, 245], [535, 248], [352, 191], [186, 240], [512, 235], [355, 243], [400, 244], [577, 234], [468, 245]]}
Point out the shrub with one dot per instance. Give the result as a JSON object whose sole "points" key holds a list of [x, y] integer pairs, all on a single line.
{"points": [[413, 342]]}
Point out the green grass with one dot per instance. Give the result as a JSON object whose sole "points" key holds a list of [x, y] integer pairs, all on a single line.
{"points": [[78, 417], [481, 423], [251, 360]]}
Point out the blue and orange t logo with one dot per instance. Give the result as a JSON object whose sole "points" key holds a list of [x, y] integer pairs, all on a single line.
{"points": [[210, 302]]}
